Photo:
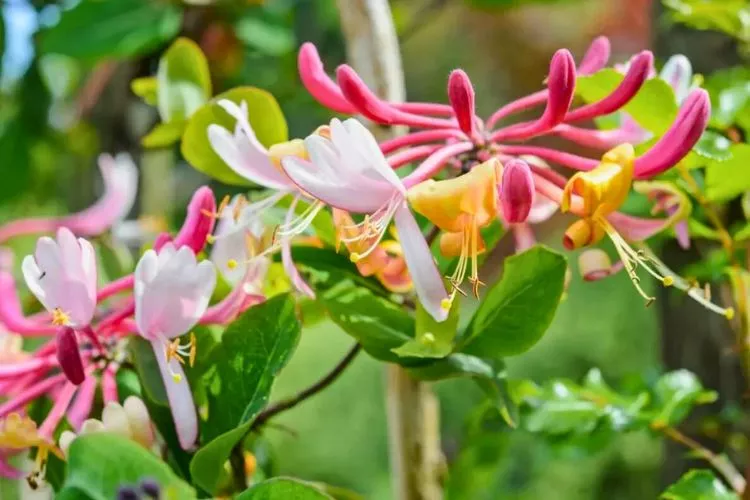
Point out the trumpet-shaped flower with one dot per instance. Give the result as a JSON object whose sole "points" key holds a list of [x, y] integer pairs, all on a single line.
{"points": [[172, 291], [19, 433], [244, 154], [461, 207], [349, 172], [595, 196], [62, 275]]}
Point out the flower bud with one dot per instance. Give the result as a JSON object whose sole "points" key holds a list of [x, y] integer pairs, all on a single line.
{"points": [[461, 96], [66, 438], [91, 425], [516, 191], [69, 356], [595, 264], [115, 420], [139, 421]]}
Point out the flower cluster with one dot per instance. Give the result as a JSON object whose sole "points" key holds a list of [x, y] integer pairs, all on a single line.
{"points": [[468, 173]]}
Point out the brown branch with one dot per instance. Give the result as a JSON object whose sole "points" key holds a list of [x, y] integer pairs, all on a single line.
{"points": [[317, 387]]}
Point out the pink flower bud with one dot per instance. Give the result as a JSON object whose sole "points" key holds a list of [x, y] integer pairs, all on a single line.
{"points": [[461, 96], [198, 224], [69, 356], [640, 68], [687, 128], [596, 56], [318, 83], [561, 84], [516, 191], [594, 264]]}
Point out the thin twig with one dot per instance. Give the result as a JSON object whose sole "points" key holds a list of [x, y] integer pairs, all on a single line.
{"points": [[720, 463], [318, 386], [237, 462]]}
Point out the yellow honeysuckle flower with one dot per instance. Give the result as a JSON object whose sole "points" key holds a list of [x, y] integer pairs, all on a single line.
{"points": [[460, 207]]}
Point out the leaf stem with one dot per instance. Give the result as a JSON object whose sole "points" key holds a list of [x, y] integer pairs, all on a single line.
{"points": [[317, 387], [720, 463]]}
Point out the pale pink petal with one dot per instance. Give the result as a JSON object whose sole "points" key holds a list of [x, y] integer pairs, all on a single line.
{"points": [[179, 396], [424, 273]]}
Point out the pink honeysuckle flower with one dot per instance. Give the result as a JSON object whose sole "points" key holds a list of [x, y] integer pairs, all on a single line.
{"points": [[198, 224], [349, 172], [172, 291], [62, 276], [120, 177], [245, 155]]}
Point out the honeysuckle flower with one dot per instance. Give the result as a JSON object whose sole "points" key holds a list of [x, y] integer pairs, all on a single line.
{"points": [[62, 276], [247, 157], [19, 433], [198, 224], [349, 172], [120, 177], [172, 291], [516, 191], [595, 196], [461, 207]]}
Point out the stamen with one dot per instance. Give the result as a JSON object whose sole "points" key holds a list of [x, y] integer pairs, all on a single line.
{"points": [[371, 230], [232, 264], [60, 318], [175, 350], [299, 224]]}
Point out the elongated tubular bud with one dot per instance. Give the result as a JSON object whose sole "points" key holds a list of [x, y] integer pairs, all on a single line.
{"points": [[561, 85], [377, 110], [559, 157], [687, 128], [601, 139], [461, 96], [318, 83], [516, 191], [596, 56], [68, 355], [634, 79], [199, 222]]}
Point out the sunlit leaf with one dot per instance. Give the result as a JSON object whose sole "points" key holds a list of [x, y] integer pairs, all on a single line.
{"points": [[183, 81], [728, 179], [265, 117], [699, 484], [713, 146], [675, 394], [282, 488], [164, 134]]}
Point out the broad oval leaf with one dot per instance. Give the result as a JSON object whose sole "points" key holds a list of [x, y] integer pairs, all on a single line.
{"points": [[518, 309], [283, 488], [265, 117], [654, 107], [100, 463], [95, 29], [244, 366], [713, 146], [183, 81], [675, 394]]}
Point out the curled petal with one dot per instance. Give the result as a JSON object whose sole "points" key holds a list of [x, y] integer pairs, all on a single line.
{"points": [[424, 273], [318, 83], [634, 79], [11, 315], [689, 125], [516, 191], [594, 264], [461, 96]]}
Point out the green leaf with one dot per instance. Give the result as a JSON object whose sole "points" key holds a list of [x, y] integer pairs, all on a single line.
{"points": [[266, 37], [518, 309], [490, 375], [433, 339], [99, 29], [730, 97], [376, 323], [699, 484], [698, 229], [743, 234], [265, 117], [675, 394], [282, 488], [654, 107], [183, 81], [99, 463], [325, 268], [730, 16], [147, 367], [253, 349], [164, 134], [728, 179], [713, 146]]}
